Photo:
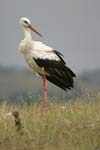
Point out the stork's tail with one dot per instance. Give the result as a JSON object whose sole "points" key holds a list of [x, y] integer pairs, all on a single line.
{"points": [[61, 78]]}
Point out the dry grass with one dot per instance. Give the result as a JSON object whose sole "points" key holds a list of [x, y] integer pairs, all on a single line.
{"points": [[74, 126]]}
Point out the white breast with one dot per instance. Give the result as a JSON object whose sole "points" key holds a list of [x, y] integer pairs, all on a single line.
{"points": [[26, 49], [31, 63]]}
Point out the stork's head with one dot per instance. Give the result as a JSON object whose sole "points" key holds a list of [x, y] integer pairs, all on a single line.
{"points": [[26, 23]]}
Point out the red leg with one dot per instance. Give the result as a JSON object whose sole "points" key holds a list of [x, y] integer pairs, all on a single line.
{"points": [[44, 101]]}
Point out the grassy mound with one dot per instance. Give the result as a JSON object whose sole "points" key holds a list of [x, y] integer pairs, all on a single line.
{"points": [[70, 126]]}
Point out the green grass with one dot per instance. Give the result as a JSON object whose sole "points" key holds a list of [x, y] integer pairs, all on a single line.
{"points": [[75, 126]]}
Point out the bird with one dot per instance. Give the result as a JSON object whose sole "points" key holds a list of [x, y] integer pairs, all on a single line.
{"points": [[45, 61]]}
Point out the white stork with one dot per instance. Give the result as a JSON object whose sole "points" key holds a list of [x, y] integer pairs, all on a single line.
{"points": [[44, 60]]}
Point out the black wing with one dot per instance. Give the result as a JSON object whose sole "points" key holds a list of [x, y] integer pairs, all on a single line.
{"points": [[57, 71]]}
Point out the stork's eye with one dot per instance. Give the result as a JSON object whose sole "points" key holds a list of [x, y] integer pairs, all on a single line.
{"points": [[26, 22]]}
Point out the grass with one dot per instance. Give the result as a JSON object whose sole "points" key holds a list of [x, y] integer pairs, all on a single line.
{"points": [[73, 126]]}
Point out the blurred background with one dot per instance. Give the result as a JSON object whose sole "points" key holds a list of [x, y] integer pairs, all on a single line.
{"points": [[70, 26]]}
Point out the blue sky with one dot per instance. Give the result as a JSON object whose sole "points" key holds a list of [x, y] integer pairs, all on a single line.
{"points": [[69, 26]]}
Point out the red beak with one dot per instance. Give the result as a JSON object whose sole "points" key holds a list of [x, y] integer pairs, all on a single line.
{"points": [[34, 30]]}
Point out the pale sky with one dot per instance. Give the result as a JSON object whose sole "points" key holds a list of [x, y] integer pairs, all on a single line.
{"points": [[70, 26]]}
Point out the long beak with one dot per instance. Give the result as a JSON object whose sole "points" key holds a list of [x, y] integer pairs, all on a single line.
{"points": [[34, 30]]}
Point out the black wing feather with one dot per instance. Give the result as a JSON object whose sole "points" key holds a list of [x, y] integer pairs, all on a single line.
{"points": [[59, 55], [57, 71]]}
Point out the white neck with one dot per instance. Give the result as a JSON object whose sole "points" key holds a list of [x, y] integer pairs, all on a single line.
{"points": [[25, 45], [27, 34]]}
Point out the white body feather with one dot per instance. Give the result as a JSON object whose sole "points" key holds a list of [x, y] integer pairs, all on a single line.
{"points": [[35, 49]]}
